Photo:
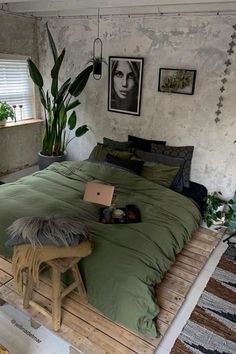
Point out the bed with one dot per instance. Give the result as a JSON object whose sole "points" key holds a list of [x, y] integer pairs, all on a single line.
{"points": [[127, 260]]}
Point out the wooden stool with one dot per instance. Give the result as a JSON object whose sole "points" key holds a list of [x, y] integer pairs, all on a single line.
{"points": [[58, 267], [3, 350]]}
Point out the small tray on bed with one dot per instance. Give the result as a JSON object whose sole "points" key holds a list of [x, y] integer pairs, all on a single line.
{"points": [[132, 215]]}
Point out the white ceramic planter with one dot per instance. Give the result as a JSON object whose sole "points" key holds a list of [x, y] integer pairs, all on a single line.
{"points": [[2, 122]]}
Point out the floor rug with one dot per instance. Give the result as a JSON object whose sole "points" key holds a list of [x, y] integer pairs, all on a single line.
{"points": [[211, 328]]}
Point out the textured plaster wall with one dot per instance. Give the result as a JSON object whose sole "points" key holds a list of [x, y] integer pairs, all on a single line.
{"points": [[19, 145], [194, 42]]}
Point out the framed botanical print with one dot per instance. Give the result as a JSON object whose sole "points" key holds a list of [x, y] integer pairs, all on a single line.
{"points": [[177, 81]]}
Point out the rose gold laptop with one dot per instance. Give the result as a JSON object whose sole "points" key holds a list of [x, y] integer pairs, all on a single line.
{"points": [[98, 193]]}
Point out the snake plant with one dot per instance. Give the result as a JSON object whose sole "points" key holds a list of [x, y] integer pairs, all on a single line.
{"points": [[59, 104]]}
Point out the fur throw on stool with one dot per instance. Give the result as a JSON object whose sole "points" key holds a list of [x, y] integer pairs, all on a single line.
{"points": [[47, 230]]}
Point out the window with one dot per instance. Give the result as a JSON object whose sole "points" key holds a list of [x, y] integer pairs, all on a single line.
{"points": [[16, 86]]}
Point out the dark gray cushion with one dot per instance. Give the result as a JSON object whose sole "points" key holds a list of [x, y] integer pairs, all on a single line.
{"points": [[178, 182], [183, 152]]}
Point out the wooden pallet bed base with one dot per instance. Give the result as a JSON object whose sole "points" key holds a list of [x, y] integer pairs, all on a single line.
{"points": [[89, 331]]}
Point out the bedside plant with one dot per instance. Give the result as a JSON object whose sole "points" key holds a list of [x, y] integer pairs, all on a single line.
{"points": [[59, 107], [218, 210], [6, 111]]}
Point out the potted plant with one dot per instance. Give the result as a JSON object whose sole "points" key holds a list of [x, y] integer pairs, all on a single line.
{"points": [[97, 66], [6, 111], [217, 210], [59, 108]]}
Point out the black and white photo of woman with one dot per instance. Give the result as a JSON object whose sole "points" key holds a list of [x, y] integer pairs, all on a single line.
{"points": [[124, 85]]}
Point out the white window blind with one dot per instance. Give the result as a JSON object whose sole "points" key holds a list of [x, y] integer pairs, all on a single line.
{"points": [[16, 87]]}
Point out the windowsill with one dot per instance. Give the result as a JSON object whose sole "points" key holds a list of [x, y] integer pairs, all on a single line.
{"points": [[21, 122]]}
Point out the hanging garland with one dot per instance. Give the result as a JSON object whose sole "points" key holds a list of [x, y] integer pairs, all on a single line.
{"points": [[227, 71]]}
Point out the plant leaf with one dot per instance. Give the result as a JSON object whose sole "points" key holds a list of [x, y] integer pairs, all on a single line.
{"points": [[80, 82], [35, 74], [57, 65], [72, 120], [62, 91], [42, 98], [81, 130], [52, 44], [55, 72], [73, 105]]}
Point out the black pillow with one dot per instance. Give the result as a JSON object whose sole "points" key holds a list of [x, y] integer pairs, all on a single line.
{"points": [[143, 144], [178, 182], [132, 165], [183, 152]]}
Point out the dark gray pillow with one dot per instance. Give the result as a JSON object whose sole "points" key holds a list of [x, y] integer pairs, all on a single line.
{"points": [[178, 182], [183, 152]]}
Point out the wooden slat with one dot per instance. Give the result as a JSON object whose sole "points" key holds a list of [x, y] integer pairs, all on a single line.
{"points": [[5, 266], [167, 305], [189, 261], [194, 256], [165, 316], [162, 291], [4, 278], [204, 237], [161, 326], [176, 284], [191, 248], [183, 274], [187, 267], [202, 245], [206, 231]]}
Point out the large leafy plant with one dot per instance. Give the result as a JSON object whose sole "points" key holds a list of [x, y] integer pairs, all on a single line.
{"points": [[218, 210], [59, 104]]}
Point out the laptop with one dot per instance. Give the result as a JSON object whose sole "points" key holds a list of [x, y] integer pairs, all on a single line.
{"points": [[98, 193]]}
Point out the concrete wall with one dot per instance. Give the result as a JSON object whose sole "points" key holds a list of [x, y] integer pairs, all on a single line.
{"points": [[19, 145], [194, 42]]}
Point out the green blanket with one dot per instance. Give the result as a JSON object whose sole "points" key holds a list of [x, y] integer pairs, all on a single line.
{"points": [[127, 260]]}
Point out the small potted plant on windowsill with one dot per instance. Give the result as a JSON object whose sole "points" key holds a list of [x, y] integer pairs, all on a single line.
{"points": [[6, 112], [59, 108]]}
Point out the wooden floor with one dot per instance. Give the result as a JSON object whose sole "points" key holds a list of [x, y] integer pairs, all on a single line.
{"points": [[89, 331]]}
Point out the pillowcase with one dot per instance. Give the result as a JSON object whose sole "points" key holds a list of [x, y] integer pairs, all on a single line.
{"points": [[117, 145], [159, 173], [100, 152], [132, 165], [143, 144], [178, 182], [183, 152]]}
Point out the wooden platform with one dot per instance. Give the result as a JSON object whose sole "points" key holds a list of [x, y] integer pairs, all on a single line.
{"points": [[89, 331]]}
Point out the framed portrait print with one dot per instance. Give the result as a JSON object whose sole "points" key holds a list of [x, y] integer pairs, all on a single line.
{"points": [[177, 81], [125, 85]]}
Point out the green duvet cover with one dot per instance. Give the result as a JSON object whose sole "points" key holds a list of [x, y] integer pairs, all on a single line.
{"points": [[127, 260]]}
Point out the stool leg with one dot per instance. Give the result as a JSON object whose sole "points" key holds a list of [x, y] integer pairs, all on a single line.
{"points": [[28, 290], [77, 276], [56, 299]]}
